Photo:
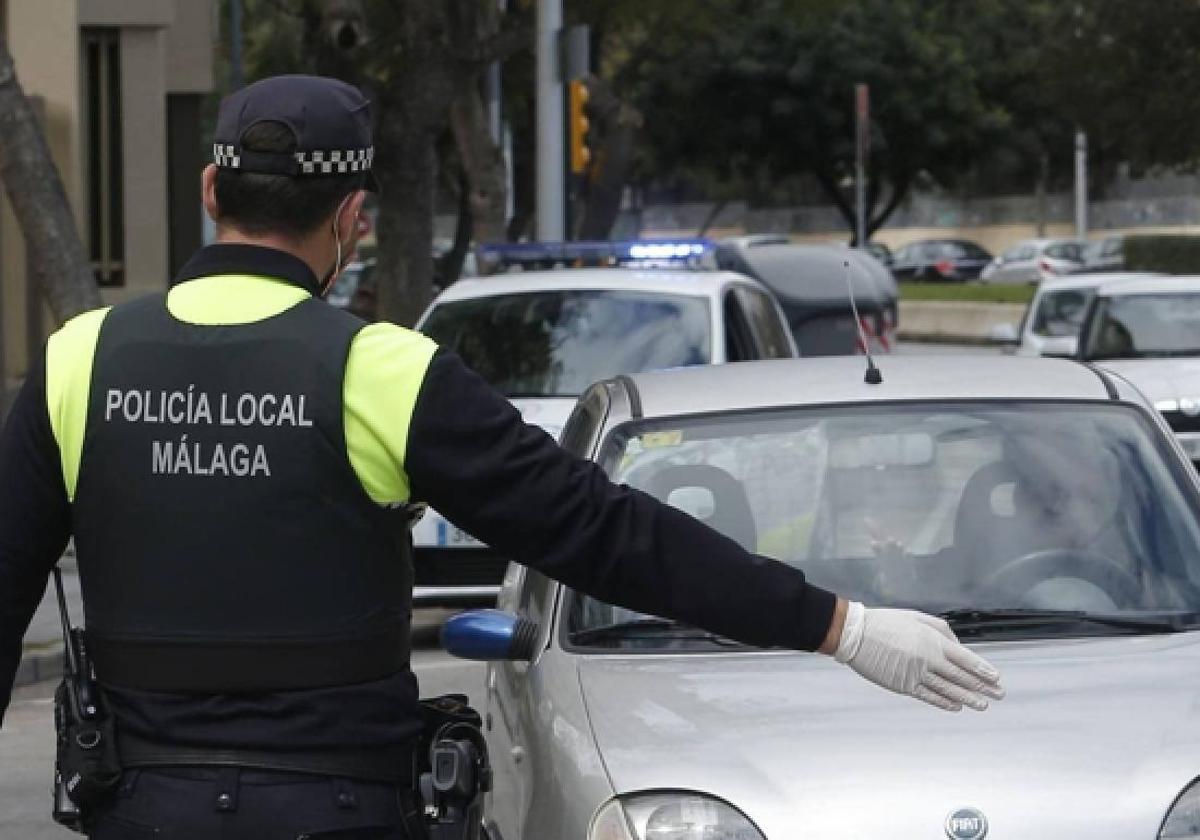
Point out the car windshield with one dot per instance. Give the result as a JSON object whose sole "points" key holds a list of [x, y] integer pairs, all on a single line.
{"points": [[1061, 313], [967, 506], [1146, 326], [555, 344]]}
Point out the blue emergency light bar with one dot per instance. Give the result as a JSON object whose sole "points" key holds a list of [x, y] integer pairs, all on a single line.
{"points": [[692, 253]]}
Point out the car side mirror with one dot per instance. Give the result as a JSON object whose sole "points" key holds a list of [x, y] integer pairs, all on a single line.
{"points": [[489, 635], [1004, 334]]}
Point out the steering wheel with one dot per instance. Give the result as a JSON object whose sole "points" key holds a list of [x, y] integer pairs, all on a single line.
{"points": [[1015, 578]]}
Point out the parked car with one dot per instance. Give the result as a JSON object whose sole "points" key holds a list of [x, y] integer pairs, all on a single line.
{"points": [[940, 260], [1041, 508], [1108, 254], [1148, 332], [542, 337], [813, 285], [1055, 315], [1035, 260]]}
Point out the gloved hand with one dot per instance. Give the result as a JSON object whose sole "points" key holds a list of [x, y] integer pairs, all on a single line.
{"points": [[916, 654]]}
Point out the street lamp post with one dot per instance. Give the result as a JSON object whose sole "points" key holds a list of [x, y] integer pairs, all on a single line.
{"points": [[1081, 190], [551, 182]]}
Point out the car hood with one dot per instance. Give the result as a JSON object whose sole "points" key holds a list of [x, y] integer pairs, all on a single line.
{"points": [[1161, 380], [1096, 738], [550, 413]]}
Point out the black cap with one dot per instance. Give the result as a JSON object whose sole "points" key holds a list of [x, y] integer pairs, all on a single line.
{"points": [[330, 119]]}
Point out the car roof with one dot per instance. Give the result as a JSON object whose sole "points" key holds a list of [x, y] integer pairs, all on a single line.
{"points": [[1090, 280], [1155, 286], [818, 272], [664, 281], [838, 380]]}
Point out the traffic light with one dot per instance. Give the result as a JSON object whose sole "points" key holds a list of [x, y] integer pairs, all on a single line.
{"points": [[578, 125]]}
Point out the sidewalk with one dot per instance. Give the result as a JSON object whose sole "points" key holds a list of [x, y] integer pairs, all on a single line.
{"points": [[42, 649]]}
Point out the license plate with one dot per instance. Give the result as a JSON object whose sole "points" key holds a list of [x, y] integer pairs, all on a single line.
{"points": [[448, 535]]}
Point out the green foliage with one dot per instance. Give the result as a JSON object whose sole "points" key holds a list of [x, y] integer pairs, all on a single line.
{"points": [[766, 94], [1127, 73], [972, 292], [1166, 254]]}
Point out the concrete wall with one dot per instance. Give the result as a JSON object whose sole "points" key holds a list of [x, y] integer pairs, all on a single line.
{"points": [[144, 138], [957, 321]]}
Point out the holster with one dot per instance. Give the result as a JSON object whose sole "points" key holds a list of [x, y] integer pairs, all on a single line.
{"points": [[453, 771], [87, 764]]}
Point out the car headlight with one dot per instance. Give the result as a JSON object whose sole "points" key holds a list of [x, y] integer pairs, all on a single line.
{"points": [[1183, 820], [671, 816]]}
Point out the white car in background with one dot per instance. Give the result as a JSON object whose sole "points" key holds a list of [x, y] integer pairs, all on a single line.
{"points": [[542, 337], [1148, 332], [1055, 315], [1035, 260]]}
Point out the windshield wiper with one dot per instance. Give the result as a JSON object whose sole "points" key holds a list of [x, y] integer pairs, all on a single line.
{"points": [[649, 628], [968, 621]]}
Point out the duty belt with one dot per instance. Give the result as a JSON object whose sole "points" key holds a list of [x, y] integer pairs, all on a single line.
{"points": [[383, 763]]}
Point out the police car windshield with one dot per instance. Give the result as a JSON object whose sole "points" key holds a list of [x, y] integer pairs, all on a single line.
{"points": [[972, 506], [556, 343]]}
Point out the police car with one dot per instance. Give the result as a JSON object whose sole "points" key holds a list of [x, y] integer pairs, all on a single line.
{"points": [[542, 334]]}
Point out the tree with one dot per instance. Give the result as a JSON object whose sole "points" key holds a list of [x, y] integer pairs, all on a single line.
{"points": [[56, 254], [420, 62], [1126, 73], [767, 95]]}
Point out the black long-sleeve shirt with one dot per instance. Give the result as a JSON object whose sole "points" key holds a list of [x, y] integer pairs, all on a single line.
{"points": [[471, 456]]}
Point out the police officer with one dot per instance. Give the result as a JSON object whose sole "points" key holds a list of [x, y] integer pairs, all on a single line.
{"points": [[233, 459]]}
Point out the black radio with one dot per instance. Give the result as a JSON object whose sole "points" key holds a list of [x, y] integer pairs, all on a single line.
{"points": [[86, 767]]}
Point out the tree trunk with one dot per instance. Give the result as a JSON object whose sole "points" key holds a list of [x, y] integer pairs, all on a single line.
{"points": [[56, 253], [449, 265], [712, 216], [406, 166], [483, 165], [899, 193]]}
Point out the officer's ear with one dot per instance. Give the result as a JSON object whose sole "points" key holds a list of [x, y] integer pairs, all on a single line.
{"points": [[347, 218], [208, 191]]}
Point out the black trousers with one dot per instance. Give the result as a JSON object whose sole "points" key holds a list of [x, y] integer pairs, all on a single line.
{"points": [[241, 804]]}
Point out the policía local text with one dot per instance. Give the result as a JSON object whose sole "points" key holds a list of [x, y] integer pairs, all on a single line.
{"points": [[177, 455]]}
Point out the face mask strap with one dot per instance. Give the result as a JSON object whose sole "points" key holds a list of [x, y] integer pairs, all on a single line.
{"points": [[337, 237]]}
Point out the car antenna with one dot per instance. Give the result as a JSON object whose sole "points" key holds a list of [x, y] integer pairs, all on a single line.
{"points": [[873, 375]]}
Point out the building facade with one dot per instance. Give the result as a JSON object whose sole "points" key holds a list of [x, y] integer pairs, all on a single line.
{"points": [[120, 86]]}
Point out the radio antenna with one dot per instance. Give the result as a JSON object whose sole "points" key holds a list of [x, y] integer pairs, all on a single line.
{"points": [[873, 376]]}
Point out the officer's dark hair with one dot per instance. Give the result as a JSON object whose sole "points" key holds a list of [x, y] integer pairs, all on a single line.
{"points": [[258, 204]]}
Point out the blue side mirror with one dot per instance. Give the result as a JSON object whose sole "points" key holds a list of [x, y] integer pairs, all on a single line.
{"points": [[489, 635]]}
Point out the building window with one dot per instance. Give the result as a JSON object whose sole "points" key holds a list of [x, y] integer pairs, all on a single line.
{"points": [[103, 154]]}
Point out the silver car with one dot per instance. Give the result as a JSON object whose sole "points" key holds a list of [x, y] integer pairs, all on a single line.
{"points": [[1040, 505], [1035, 260]]}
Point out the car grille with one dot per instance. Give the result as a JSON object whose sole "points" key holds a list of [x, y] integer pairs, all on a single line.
{"points": [[1180, 422], [458, 567]]}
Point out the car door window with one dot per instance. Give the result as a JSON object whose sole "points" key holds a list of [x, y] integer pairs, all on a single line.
{"points": [[768, 329], [739, 343]]}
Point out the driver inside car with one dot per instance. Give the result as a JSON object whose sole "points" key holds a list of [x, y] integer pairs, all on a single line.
{"points": [[1031, 530]]}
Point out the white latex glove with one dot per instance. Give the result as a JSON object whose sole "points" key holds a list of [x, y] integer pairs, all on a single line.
{"points": [[916, 654]]}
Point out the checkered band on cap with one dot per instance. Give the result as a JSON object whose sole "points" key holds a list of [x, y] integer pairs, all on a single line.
{"points": [[333, 162], [226, 156]]}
